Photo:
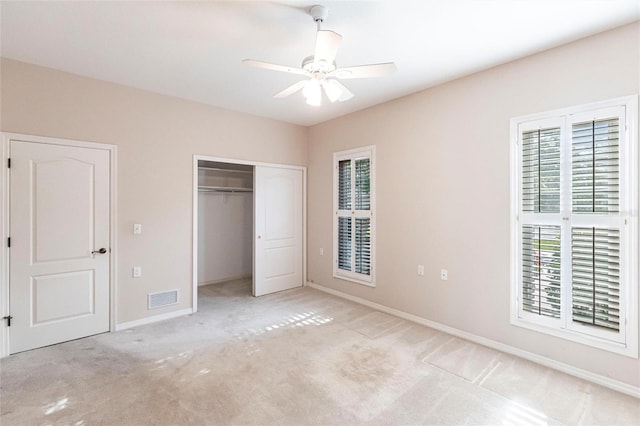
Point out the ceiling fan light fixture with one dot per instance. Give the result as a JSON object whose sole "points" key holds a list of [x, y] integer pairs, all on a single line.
{"points": [[313, 92], [332, 90], [321, 69]]}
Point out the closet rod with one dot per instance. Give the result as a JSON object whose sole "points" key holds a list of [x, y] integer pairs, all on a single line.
{"points": [[223, 189], [217, 169]]}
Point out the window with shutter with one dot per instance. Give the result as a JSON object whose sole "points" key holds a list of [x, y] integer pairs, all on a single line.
{"points": [[354, 224], [575, 227]]}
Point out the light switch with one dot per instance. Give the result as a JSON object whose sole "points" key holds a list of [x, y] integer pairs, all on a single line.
{"points": [[137, 229], [137, 271]]}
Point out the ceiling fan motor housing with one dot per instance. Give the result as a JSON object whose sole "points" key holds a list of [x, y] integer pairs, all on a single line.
{"points": [[312, 67]]}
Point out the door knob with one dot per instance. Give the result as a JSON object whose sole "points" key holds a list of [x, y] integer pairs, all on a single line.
{"points": [[101, 251]]}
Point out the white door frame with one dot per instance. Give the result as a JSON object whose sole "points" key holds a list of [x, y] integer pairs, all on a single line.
{"points": [[194, 255], [5, 225]]}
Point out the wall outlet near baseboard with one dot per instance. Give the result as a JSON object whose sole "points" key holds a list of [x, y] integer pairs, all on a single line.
{"points": [[444, 274], [421, 270], [137, 271]]}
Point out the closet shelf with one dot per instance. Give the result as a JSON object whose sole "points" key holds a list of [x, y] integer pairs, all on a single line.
{"points": [[223, 189], [217, 169]]}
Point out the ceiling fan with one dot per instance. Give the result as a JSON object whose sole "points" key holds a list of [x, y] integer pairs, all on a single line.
{"points": [[321, 68]]}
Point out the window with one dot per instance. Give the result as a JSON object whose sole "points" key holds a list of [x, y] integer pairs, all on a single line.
{"points": [[354, 205], [575, 224]]}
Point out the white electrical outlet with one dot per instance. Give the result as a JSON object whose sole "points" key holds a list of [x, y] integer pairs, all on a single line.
{"points": [[420, 270], [444, 274], [321, 252], [137, 271], [137, 229]]}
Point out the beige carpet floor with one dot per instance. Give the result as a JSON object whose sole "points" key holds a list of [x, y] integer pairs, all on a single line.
{"points": [[297, 357]]}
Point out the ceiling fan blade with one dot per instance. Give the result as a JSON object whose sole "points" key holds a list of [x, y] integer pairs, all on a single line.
{"points": [[273, 67], [327, 43], [291, 89], [365, 71]]}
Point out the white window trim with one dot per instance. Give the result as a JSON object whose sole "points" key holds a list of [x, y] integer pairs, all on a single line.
{"points": [[369, 151], [629, 254]]}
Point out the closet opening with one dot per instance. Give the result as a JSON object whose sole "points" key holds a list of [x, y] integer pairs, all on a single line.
{"points": [[225, 209], [248, 227]]}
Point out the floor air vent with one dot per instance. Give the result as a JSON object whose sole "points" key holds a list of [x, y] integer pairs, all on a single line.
{"points": [[158, 300]]}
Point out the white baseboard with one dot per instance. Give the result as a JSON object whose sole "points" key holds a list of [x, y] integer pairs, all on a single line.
{"points": [[224, 280], [530, 356], [155, 318]]}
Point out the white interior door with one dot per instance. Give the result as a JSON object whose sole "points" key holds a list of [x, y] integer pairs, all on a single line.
{"points": [[278, 230], [59, 217]]}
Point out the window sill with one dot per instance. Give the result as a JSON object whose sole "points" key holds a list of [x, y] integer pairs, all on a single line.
{"points": [[630, 349], [354, 280]]}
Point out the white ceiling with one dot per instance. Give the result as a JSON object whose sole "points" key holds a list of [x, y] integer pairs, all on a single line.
{"points": [[193, 50]]}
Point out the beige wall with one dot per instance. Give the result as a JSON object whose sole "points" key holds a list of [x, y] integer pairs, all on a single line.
{"points": [[443, 189], [157, 137]]}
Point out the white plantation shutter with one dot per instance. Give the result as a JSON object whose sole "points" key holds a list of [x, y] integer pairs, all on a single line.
{"points": [[541, 270], [541, 171], [595, 166], [595, 201], [363, 184], [540, 239], [363, 246], [363, 224], [574, 229], [344, 185], [344, 243], [344, 222], [596, 276], [353, 200]]}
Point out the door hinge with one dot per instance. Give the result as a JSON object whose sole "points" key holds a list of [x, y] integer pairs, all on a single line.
{"points": [[9, 163], [8, 318], [8, 241]]}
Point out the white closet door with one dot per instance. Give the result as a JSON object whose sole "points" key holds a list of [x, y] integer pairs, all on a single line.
{"points": [[278, 230], [59, 274]]}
